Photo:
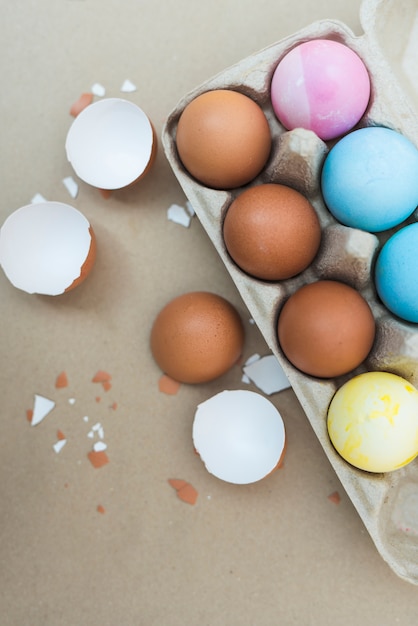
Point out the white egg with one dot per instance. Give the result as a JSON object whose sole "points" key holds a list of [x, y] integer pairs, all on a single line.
{"points": [[44, 246], [239, 435], [110, 143]]}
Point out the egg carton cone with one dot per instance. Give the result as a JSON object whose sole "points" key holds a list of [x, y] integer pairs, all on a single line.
{"points": [[387, 503]]}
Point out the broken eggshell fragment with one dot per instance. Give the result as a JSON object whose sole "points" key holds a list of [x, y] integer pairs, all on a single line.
{"points": [[239, 435], [111, 144], [47, 248]]}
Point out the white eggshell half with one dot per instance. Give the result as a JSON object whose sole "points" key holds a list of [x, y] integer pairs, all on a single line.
{"points": [[109, 144], [43, 247], [239, 435]]}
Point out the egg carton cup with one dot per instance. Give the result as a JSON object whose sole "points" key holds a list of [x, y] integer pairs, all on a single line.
{"points": [[387, 503]]}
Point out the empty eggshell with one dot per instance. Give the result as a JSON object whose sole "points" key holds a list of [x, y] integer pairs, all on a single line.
{"points": [[47, 248], [239, 435], [111, 143]]}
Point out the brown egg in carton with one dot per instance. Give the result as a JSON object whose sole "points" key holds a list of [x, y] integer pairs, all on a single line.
{"points": [[387, 503]]}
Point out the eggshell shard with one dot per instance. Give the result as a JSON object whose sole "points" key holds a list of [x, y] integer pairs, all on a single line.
{"points": [[47, 248], [223, 138], [239, 435], [111, 143], [272, 231], [197, 337], [267, 374], [326, 329], [81, 103], [373, 421], [312, 88]]}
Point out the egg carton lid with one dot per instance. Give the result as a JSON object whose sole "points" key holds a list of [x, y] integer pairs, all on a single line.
{"points": [[386, 503]]}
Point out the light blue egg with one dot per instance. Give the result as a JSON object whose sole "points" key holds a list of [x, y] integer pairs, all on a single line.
{"points": [[396, 273], [370, 179]]}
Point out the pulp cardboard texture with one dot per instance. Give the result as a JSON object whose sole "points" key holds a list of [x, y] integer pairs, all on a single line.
{"points": [[115, 545], [386, 503], [383, 501]]}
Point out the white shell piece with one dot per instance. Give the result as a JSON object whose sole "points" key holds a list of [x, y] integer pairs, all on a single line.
{"points": [[71, 186], [38, 197], [179, 215], [267, 374], [128, 86], [71, 401], [58, 445], [109, 144], [252, 358], [239, 435], [44, 246], [98, 90], [41, 408], [99, 446], [190, 208]]}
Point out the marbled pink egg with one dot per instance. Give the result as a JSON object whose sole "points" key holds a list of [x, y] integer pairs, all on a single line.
{"points": [[320, 85]]}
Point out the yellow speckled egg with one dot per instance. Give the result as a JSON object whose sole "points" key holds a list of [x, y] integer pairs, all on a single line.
{"points": [[373, 421]]}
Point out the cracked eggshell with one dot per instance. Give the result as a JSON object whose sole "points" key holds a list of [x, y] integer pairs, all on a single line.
{"points": [[47, 248], [239, 435], [111, 144]]}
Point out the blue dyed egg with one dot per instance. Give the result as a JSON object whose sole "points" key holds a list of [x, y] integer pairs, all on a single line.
{"points": [[396, 273], [370, 179]]}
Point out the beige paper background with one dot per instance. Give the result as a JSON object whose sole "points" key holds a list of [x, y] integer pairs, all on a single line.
{"points": [[276, 552]]}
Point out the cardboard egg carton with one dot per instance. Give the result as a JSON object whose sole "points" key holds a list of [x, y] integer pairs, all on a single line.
{"points": [[387, 503]]}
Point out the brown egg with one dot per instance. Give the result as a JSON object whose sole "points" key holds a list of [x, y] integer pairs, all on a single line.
{"points": [[326, 329], [223, 139], [197, 337], [272, 232]]}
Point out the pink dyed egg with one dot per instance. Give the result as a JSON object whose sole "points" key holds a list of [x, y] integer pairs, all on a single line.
{"points": [[320, 85]]}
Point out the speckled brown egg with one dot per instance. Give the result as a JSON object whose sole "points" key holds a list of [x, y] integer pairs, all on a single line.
{"points": [[272, 231], [326, 329], [223, 138], [197, 337]]}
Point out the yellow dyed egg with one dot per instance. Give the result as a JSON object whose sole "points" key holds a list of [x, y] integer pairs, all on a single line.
{"points": [[373, 421]]}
